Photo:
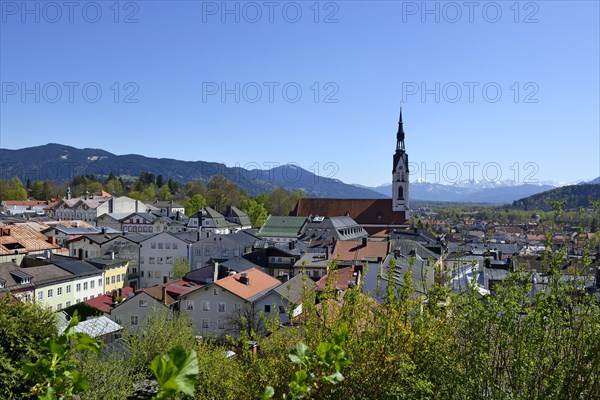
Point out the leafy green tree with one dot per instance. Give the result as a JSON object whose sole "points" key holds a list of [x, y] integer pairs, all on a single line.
{"points": [[282, 202], [58, 377], [256, 211], [160, 181], [321, 367], [163, 329], [39, 190], [173, 186], [194, 204], [147, 194], [164, 193], [221, 193], [195, 187], [115, 187], [19, 343], [181, 266], [14, 190]]}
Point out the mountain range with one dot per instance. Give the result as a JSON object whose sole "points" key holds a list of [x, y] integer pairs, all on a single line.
{"points": [[61, 163], [474, 192]]}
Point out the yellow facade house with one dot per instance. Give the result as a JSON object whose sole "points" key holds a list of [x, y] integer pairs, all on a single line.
{"points": [[115, 271]]}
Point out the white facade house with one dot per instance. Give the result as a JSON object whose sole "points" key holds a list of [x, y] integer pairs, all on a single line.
{"points": [[121, 205], [157, 255], [134, 311], [215, 308]]}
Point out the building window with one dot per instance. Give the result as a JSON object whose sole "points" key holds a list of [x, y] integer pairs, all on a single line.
{"points": [[142, 273], [123, 277], [49, 293], [59, 291], [267, 308], [159, 260], [118, 278], [206, 305], [85, 286], [174, 246], [157, 274], [68, 288], [152, 260], [216, 291], [160, 246], [152, 245], [141, 259], [167, 245], [78, 287], [221, 307], [107, 280], [198, 251], [134, 320], [221, 324], [112, 279], [143, 303], [169, 260], [281, 309], [189, 305], [92, 284], [68, 304], [99, 282], [118, 319], [205, 323], [85, 298], [237, 306]]}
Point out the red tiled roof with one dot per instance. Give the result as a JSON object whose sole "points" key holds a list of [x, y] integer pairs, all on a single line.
{"points": [[363, 211], [259, 283], [104, 303], [180, 287], [342, 277], [28, 203], [27, 237], [345, 250]]}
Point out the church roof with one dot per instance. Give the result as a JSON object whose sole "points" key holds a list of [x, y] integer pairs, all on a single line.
{"points": [[363, 211]]}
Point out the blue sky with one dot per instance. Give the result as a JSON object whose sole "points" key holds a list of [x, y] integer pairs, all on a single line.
{"points": [[490, 90]]}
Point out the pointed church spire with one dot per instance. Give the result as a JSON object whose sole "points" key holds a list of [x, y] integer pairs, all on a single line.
{"points": [[400, 134]]}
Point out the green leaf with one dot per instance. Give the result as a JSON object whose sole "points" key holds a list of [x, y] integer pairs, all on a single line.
{"points": [[334, 378], [176, 371], [268, 394], [49, 395], [299, 354]]}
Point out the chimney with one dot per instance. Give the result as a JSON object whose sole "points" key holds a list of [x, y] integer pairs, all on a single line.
{"points": [[244, 278], [112, 255], [327, 252], [164, 294], [80, 255], [47, 254], [216, 272], [364, 242], [52, 240], [104, 230]]}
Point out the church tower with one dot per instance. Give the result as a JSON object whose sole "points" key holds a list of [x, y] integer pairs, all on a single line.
{"points": [[400, 173]]}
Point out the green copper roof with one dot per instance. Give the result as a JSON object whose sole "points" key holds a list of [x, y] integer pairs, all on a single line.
{"points": [[277, 226]]}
